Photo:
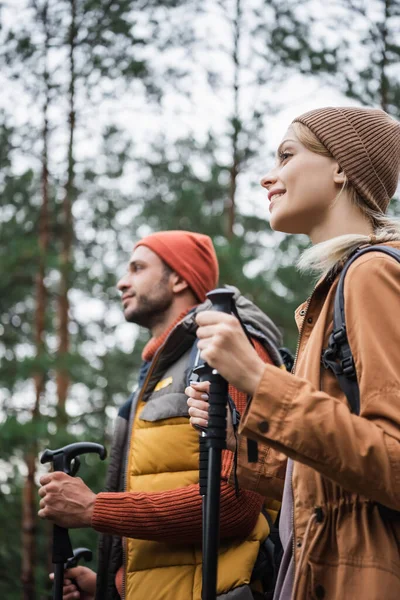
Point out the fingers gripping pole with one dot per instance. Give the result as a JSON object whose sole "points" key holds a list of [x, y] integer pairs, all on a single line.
{"points": [[214, 441], [79, 553], [66, 459]]}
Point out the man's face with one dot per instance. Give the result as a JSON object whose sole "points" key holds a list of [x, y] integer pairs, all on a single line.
{"points": [[146, 288]]}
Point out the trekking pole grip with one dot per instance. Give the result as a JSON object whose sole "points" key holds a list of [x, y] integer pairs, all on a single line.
{"points": [[215, 441], [222, 300], [66, 459]]}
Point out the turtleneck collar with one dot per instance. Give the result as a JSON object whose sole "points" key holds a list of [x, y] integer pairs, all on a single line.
{"points": [[155, 342]]}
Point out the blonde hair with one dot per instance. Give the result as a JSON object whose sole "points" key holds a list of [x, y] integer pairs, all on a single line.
{"points": [[325, 256]]}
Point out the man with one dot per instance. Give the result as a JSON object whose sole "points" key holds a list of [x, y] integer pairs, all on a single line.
{"points": [[151, 512]]}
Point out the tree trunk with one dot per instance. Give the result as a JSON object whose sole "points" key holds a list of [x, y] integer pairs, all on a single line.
{"points": [[67, 235], [235, 166], [29, 516], [28, 532]]}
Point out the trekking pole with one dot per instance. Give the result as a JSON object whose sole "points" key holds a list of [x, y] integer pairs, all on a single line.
{"points": [[66, 459], [72, 562], [215, 441]]}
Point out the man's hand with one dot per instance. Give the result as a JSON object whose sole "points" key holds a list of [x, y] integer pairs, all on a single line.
{"points": [[86, 580], [225, 347], [66, 501]]}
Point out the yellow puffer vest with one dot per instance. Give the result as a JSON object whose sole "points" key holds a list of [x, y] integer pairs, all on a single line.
{"points": [[163, 455]]}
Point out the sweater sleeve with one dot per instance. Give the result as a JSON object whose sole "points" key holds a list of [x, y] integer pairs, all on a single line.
{"points": [[359, 452], [176, 515]]}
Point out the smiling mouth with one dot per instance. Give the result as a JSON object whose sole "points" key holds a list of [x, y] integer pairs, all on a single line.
{"points": [[274, 198]]}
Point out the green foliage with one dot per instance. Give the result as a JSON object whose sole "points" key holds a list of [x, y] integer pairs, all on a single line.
{"points": [[124, 188], [175, 197]]}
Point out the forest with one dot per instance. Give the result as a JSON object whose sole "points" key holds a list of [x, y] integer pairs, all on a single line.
{"points": [[123, 117]]}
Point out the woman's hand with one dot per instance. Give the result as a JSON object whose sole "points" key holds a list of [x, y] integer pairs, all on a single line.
{"points": [[225, 347], [198, 403], [198, 410], [82, 576]]}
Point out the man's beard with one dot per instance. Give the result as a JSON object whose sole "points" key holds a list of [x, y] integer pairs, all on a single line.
{"points": [[150, 311]]}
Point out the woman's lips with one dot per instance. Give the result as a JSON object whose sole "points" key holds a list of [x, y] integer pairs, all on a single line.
{"points": [[275, 192], [275, 197]]}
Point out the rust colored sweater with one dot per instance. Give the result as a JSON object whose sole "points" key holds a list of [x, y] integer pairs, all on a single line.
{"points": [[175, 516]]}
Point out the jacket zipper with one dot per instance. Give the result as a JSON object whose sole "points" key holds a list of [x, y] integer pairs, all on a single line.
{"points": [[132, 419], [301, 330], [293, 371]]}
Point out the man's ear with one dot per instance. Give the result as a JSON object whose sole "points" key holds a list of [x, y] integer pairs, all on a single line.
{"points": [[178, 283], [339, 175]]}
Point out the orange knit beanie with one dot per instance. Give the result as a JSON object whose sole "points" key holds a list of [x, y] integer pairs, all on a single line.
{"points": [[189, 254], [366, 144]]}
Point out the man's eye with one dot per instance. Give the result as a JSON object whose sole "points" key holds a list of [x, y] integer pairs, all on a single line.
{"points": [[135, 268]]}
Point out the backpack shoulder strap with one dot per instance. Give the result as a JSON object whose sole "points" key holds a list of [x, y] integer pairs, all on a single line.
{"points": [[338, 356], [193, 362]]}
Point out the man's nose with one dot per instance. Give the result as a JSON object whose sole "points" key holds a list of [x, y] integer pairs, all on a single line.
{"points": [[122, 284]]}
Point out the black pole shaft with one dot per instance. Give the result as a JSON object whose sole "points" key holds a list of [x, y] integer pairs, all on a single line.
{"points": [[203, 475], [58, 581], [210, 556]]}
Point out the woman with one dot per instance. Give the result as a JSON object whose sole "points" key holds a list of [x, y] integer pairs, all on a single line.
{"points": [[336, 170]]}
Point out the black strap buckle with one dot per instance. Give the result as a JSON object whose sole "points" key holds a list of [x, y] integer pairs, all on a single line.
{"points": [[339, 335], [348, 367]]}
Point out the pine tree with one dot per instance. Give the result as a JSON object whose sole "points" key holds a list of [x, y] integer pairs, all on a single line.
{"points": [[47, 242], [266, 43], [372, 78]]}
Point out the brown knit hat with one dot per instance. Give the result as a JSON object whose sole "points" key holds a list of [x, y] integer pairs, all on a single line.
{"points": [[366, 144], [189, 254]]}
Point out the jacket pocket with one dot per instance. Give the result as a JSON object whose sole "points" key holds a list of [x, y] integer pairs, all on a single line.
{"points": [[364, 579], [165, 406]]}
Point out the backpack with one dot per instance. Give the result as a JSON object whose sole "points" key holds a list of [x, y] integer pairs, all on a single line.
{"points": [[338, 356]]}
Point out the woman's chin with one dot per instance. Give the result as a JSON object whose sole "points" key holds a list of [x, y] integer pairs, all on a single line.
{"points": [[286, 223], [277, 221]]}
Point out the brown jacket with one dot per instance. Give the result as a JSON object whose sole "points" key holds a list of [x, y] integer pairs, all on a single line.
{"points": [[344, 463]]}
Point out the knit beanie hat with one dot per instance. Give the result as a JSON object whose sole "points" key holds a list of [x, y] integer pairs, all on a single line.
{"points": [[366, 144], [189, 254]]}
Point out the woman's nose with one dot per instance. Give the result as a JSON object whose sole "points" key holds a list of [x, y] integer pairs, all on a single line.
{"points": [[268, 179]]}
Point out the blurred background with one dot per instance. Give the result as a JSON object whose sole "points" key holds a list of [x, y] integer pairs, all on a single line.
{"points": [[122, 117]]}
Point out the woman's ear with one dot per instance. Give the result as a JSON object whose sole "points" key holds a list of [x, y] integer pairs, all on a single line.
{"points": [[339, 175]]}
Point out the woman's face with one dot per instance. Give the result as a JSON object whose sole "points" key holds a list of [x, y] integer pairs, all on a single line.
{"points": [[301, 187]]}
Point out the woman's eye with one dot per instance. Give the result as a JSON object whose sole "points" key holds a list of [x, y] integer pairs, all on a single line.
{"points": [[284, 156]]}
